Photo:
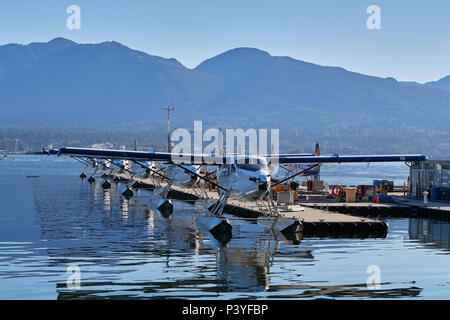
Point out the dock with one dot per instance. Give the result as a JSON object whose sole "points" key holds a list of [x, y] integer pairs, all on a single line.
{"points": [[407, 208], [315, 222]]}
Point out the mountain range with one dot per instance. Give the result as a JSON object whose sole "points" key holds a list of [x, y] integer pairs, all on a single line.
{"points": [[62, 82]]}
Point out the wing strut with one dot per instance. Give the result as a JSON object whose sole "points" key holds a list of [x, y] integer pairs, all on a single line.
{"points": [[154, 171], [294, 175], [203, 178]]}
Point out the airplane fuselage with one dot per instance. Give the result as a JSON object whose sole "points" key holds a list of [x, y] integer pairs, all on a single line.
{"points": [[248, 180]]}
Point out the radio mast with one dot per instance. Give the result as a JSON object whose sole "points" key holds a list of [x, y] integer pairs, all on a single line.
{"points": [[169, 108]]}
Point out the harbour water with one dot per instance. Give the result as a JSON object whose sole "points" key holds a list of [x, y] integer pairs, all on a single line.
{"points": [[56, 224]]}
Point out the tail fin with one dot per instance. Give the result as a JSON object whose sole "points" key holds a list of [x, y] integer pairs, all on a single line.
{"points": [[317, 153], [317, 150]]}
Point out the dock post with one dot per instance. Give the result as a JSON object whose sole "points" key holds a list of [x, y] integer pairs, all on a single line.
{"points": [[425, 198]]}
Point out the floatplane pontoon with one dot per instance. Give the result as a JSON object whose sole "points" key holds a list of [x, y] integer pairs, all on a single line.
{"points": [[243, 177]]}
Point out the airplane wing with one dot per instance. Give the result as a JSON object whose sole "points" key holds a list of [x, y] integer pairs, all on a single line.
{"points": [[208, 159], [348, 158], [141, 155], [114, 154]]}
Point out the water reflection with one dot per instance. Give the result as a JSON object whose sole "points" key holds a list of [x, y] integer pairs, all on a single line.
{"points": [[107, 201], [126, 250], [100, 230], [431, 232], [344, 291], [124, 204], [180, 231], [243, 265]]}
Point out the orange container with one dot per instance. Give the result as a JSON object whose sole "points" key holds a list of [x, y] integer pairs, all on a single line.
{"points": [[279, 188]]}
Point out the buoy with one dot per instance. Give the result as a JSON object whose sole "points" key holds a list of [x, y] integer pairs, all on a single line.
{"points": [[91, 179], [128, 193], [83, 175]]}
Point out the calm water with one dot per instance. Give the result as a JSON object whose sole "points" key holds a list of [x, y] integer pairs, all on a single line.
{"points": [[122, 248]]}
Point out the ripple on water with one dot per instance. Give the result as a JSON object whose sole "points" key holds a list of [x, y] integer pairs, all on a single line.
{"points": [[124, 249]]}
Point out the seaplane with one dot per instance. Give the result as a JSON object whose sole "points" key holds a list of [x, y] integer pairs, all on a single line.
{"points": [[243, 177]]}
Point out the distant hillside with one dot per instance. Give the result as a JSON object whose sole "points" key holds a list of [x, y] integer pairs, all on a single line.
{"points": [[257, 84], [61, 81], [15, 58], [64, 83], [443, 83]]}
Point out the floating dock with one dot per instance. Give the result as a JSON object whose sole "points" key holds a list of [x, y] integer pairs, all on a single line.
{"points": [[410, 208], [314, 221]]}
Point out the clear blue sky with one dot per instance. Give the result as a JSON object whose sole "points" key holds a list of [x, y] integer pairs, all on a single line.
{"points": [[413, 43]]}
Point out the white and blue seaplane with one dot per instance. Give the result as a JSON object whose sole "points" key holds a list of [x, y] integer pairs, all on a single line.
{"points": [[243, 177]]}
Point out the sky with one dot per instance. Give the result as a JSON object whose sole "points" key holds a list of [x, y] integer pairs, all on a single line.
{"points": [[412, 44]]}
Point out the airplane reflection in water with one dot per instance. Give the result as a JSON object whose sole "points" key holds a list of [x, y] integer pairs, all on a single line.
{"points": [[108, 236], [243, 265], [131, 251]]}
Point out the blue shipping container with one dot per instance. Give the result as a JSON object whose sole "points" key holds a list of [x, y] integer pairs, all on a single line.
{"points": [[443, 193], [435, 194], [384, 197]]}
